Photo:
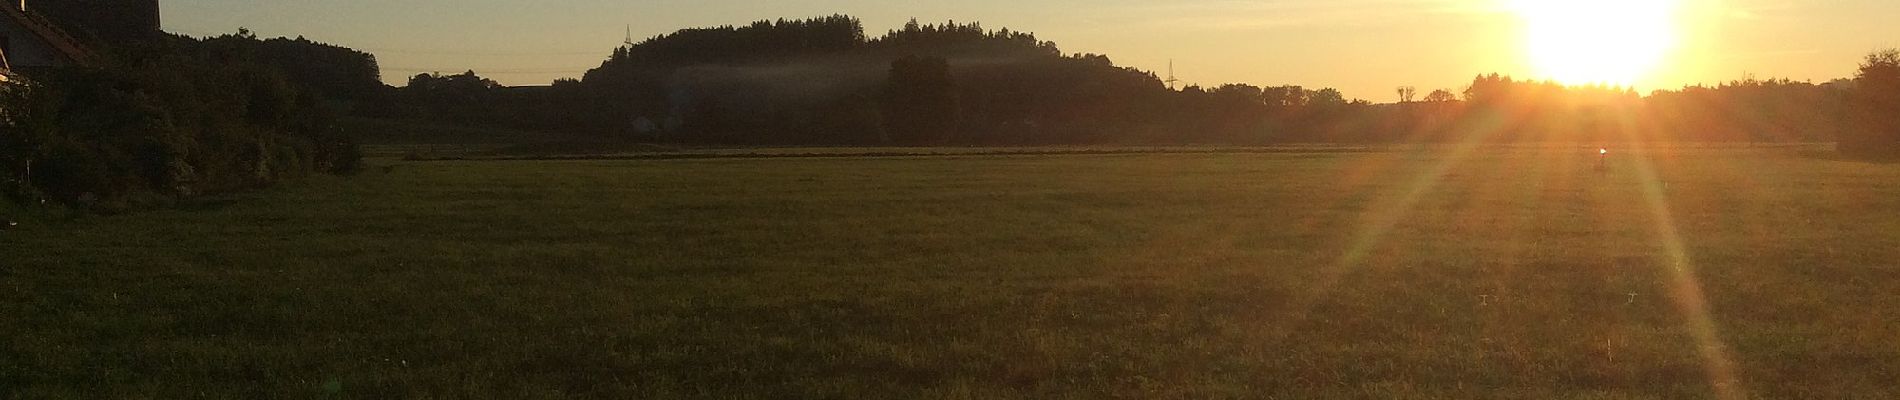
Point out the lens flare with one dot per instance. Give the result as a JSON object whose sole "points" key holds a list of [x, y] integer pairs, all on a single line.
{"points": [[1685, 286]]}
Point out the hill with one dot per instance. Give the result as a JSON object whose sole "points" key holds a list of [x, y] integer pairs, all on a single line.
{"points": [[824, 81]]}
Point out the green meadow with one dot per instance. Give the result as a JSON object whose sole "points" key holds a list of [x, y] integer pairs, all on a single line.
{"points": [[1454, 273]]}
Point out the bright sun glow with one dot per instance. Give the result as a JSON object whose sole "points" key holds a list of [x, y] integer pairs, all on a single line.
{"points": [[1616, 42]]}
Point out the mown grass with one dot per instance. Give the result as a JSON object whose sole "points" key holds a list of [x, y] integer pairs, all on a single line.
{"points": [[1523, 273]]}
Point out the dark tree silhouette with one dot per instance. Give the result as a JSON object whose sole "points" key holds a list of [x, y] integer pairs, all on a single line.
{"points": [[177, 117], [1328, 97], [1876, 101], [823, 81], [461, 98], [920, 101]]}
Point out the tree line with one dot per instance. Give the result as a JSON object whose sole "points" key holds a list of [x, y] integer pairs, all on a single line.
{"points": [[824, 81]]}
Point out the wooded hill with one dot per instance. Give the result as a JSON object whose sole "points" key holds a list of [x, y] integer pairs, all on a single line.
{"points": [[824, 81]]}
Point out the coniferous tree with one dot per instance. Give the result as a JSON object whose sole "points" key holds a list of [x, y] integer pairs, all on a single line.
{"points": [[921, 104]]}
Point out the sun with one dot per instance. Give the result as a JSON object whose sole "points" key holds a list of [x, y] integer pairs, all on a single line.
{"points": [[1614, 42]]}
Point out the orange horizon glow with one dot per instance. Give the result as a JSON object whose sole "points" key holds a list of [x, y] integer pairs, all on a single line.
{"points": [[1363, 48]]}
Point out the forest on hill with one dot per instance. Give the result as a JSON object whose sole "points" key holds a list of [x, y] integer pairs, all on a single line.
{"points": [[824, 81]]}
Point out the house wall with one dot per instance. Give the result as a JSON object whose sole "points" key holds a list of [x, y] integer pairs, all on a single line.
{"points": [[110, 20], [24, 49]]}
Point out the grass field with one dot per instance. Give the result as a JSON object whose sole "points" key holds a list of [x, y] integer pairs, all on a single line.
{"points": [[1494, 273]]}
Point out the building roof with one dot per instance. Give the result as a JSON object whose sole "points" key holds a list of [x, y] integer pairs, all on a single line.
{"points": [[65, 45]]}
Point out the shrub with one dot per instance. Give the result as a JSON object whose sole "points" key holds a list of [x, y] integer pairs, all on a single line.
{"points": [[1877, 109], [166, 120]]}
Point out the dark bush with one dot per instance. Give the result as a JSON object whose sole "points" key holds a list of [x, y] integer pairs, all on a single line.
{"points": [[169, 119], [1876, 133]]}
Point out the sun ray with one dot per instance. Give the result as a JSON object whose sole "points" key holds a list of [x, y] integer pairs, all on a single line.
{"points": [[1380, 219], [1685, 287]]}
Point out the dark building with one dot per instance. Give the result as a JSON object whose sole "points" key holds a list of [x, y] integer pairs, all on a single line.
{"points": [[30, 41], [41, 34], [107, 21]]}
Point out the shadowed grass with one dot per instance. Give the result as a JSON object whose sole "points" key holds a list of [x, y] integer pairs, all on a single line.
{"points": [[1520, 273]]}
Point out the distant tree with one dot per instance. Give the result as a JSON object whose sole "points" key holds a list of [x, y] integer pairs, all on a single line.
{"points": [[1407, 93], [1327, 97], [1490, 87], [463, 82], [708, 118], [464, 98], [1877, 106], [921, 104], [1441, 95], [1285, 97], [1239, 93]]}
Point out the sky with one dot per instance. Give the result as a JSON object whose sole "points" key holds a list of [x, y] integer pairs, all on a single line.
{"points": [[1365, 48]]}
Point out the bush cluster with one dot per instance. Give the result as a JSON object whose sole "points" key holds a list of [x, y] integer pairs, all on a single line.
{"points": [[1876, 134], [169, 119]]}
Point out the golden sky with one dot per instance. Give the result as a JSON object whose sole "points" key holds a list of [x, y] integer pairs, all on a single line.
{"points": [[1363, 47]]}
